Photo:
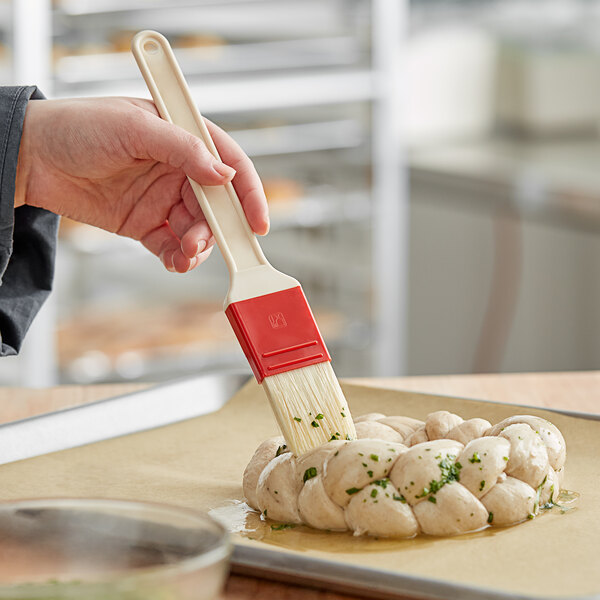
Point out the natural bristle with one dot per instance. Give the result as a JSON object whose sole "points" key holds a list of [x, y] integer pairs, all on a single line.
{"points": [[310, 407]]}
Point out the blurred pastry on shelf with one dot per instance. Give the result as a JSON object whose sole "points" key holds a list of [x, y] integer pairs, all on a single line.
{"points": [[198, 40], [121, 40], [113, 342], [282, 189]]}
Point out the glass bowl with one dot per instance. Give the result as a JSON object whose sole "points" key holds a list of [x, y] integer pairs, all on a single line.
{"points": [[109, 549]]}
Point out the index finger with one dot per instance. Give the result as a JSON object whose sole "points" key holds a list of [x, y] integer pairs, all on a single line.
{"points": [[246, 182]]}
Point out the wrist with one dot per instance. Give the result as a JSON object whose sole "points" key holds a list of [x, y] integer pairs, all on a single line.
{"points": [[24, 160]]}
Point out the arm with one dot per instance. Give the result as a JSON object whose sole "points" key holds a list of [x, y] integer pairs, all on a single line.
{"points": [[27, 234], [112, 163]]}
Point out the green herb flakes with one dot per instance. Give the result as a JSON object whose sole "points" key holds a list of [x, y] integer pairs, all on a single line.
{"points": [[351, 491], [481, 484], [475, 458], [490, 517], [282, 526], [314, 424], [298, 419], [309, 474], [373, 493], [281, 450], [374, 457]]}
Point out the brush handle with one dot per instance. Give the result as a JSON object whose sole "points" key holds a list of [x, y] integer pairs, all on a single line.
{"points": [[249, 271]]}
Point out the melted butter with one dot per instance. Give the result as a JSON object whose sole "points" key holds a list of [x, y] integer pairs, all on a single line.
{"points": [[240, 519]]}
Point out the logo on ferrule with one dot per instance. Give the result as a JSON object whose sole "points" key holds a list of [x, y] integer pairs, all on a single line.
{"points": [[277, 320]]}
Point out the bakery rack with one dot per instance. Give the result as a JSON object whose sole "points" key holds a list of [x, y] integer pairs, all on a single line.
{"points": [[300, 84]]}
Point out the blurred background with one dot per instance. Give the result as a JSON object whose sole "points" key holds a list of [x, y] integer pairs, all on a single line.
{"points": [[432, 167]]}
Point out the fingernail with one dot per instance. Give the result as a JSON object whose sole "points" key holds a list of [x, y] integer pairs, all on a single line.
{"points": [[193, 263], [168, 262], [223, 170], [201, 247]]}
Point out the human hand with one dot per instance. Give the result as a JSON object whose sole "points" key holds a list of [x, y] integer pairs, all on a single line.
{"points": [[114, 163]]}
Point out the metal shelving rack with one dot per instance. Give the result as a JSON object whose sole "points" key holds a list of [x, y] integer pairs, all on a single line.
{"points": [[278, 87]]}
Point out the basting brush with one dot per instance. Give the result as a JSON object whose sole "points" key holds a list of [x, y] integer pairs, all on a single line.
{"points": [[267, 309]]}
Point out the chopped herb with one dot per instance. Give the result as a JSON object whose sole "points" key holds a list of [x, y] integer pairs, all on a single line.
{"points": [[382, 482], [481, 484], [351, 491], [265, 512], [360, 454], [309, 473], [370, 473], [450, 472], [505, 458], [427, 449], [389, 460], [314, 424], [343, 415], [373, 493], [365, 465], [298, 419], [475, 458], [319, 416], [400, 498], [432, 499], [530, 516], [282, 526], [281, 450], [348, 438], [490, 517], [374, 457]]}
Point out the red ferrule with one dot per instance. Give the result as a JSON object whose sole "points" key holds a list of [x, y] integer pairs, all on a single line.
{"points": [[277, 332]]}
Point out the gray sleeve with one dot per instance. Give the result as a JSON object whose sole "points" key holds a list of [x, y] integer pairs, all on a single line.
{"points": [[27, 234]]}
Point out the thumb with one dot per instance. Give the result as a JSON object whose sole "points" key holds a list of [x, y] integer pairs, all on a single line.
{"points": [[167, 143]]}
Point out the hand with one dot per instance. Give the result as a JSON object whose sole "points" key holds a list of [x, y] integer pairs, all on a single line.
{"points": [[114, 163]]}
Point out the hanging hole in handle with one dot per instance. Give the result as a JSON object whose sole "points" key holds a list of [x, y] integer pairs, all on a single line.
{"points": [[151, 47]]}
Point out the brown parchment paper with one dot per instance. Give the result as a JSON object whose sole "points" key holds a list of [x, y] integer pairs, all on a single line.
{"points": [[199, 464]]}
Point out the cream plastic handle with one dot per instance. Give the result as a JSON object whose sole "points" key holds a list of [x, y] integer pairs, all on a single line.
{"points": [[174, 102]]}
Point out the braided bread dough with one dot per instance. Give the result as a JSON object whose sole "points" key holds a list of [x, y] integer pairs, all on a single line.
{"points": [[441, 476]]}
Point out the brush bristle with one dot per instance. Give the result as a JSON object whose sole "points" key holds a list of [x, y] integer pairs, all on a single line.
{"points": [[310, 407]]}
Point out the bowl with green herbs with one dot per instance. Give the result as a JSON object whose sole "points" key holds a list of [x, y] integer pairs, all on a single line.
{"points": [[109, 549]]}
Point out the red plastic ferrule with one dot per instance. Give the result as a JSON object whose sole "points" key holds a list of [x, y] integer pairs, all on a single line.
{"points": [[277, 332]]}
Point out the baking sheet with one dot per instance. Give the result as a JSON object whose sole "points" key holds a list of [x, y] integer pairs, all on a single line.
{"points": [[199, 463]]}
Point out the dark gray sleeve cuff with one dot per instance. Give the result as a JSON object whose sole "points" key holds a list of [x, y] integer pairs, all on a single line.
{"points": [[27, 234]]}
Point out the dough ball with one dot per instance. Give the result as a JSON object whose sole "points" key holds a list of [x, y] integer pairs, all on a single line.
{"points": [[315, 458], [261, 458], [483, 460], [381, 511], [417, 437], [317, 509], [356, 465], [374, 416], [469, 430], [377, 431], [422, 464], [455, 510], [438, 424], [405, 426], [528, 460], [510, 501], [278, 488], [549, 434]]}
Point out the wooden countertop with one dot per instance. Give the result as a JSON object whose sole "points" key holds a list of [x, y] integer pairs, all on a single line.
{"points": [[570, 391]]}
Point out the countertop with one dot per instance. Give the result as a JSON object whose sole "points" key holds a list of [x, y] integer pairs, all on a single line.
{"points": [[570, 391]]}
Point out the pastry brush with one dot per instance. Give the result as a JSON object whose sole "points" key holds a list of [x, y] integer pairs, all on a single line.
{"points": [[267, 309]]}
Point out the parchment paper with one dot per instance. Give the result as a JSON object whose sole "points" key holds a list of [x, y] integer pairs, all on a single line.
{"points": [[199, 464]]}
